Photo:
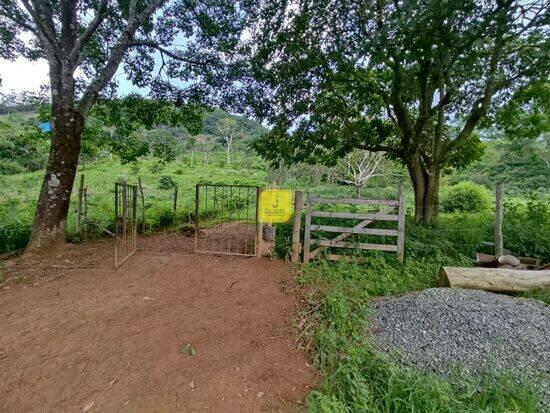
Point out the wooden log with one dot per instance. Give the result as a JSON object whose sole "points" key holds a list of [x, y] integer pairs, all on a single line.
{"points": [[494, 279]]}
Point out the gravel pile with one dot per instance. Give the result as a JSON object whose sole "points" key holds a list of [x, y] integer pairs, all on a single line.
{"points": [[443, 329]]}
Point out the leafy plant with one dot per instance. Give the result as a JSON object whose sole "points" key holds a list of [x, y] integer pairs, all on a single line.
{"points": [[465, 197], [167, 182]]}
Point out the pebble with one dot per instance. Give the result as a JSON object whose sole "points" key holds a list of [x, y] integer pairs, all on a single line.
{"points": [[443, 330]]}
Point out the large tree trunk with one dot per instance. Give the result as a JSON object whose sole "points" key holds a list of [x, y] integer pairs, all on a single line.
{"points": [[49, 226], [426, 190]]}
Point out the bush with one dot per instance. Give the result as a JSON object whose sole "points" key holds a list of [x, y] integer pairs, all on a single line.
{"points": [[8, 167], [526, 228], [160, 217], [166, 182], [465, 197]]}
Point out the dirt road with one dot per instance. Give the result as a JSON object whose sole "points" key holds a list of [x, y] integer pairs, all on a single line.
{"points": [[92, 339]]}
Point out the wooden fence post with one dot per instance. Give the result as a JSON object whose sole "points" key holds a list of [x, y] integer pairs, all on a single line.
{"points": [[307, 229], [175, 199], [499, 216], [296, 245], [79, 204], [401, 224], [142, 204], [196, 241], [85, 212]]}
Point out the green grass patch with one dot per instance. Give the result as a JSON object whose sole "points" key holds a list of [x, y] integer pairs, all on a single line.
{"points": [[358, 379]]}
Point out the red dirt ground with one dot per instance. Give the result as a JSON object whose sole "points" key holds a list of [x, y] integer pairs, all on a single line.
{"points": [[92, 339]]}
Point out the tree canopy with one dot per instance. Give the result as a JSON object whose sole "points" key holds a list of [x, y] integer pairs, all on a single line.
{"points": [[85, 42], [411, 78]]}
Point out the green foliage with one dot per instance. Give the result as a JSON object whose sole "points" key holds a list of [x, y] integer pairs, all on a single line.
{"points": [[130, 149], [15, 225], [23, 147], [465, 197], [18, 196], [8, 167], [527, 114], [526, 228], [160, 216], [166, 182], [520, 163], [356, 377]]}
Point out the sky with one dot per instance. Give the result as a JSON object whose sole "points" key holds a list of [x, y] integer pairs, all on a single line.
{"points": [[22, 74]]}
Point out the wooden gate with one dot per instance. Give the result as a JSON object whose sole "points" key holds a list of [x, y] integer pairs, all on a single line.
{"points": [[386, 212], [226, 219], [125, 222]]}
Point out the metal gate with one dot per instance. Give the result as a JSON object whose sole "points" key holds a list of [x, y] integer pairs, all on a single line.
{"points": [[125, 222], [226, 219]]}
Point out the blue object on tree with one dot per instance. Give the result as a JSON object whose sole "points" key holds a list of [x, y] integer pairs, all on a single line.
{"points": [[45, 126]]}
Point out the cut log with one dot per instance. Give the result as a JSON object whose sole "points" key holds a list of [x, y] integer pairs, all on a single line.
{"points": [[494, 279]]}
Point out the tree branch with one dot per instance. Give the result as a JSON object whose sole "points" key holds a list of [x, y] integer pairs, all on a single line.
{"points": [[121, 46], [173, 55], [90, 30]]}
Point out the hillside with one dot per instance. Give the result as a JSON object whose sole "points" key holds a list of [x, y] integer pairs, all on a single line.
{"points": [[23, 148]]}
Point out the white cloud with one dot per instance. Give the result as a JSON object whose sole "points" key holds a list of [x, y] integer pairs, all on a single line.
{"points": [[22, 74]]}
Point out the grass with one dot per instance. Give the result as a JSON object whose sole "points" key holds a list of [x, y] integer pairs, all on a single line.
{"points": [[19, 193], [355, 377], [358, 379]]}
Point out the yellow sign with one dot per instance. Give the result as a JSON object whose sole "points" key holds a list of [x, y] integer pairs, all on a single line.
{"points": [[275, 205]]}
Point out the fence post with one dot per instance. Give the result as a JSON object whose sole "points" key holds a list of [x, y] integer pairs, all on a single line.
{"points": [[258, 224], [196, 218], [175, 199], [401, 224], [117, 228], [85, 212], [142, 204], [307, 229], [499, 216], [124, 206], [296, 246], [79, 204]]}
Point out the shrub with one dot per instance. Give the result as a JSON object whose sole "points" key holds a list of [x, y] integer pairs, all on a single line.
{"points": [[160, 217], [156, 167], [465, 197], [8, 167], [166, 182], [526, 227]]}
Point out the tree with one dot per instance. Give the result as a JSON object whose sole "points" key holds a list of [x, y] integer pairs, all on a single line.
{"points": [[526, 118], [358, 167], [205, 146], [85, 42], [228, 130], [411, 78]]}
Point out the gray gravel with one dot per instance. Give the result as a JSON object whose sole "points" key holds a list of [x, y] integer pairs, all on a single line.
{"points": [[444, 330]]}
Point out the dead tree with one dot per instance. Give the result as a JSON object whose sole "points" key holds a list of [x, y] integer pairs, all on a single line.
{"points": [[358, 167]]}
